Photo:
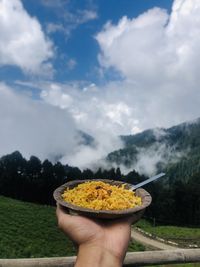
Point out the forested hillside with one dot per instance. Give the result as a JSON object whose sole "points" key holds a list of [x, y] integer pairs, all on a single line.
{"points": [[177, 148], [34, 181], [31, 180]]}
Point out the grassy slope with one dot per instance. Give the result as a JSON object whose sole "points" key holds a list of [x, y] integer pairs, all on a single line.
{"points": [[30, 230]]}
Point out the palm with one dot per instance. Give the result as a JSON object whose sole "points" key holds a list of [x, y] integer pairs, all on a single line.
{"points": [[111, 235]]}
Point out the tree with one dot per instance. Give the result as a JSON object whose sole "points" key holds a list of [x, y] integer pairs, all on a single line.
{"points": [[59, 173], [33, 166], [87, 174]]}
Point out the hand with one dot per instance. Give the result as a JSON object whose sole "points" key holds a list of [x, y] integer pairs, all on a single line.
{"points": [[108, 238]]}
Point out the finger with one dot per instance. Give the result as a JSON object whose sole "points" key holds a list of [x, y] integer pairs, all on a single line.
{"points": [[62, 209], [65, 220]]}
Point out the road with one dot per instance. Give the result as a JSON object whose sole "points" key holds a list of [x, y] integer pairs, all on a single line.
{"points": [[149, 241]]}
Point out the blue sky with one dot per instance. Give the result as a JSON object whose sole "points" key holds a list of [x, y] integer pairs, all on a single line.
{"points": [[73, 39], [107, 67]]}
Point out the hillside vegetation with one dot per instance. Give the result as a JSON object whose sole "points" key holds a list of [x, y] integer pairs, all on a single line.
{"points": [[175, 151], [177, 148], [176, 197], [176, 203], [30, 230]]}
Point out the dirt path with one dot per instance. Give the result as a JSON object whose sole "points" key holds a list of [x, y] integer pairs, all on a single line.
{"points": [[149, 241]]}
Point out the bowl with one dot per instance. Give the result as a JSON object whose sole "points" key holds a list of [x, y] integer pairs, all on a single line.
{"points": [[102, 214]]}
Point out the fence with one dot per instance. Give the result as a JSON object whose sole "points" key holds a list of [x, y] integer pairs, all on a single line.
{"points": [[132, 259]]}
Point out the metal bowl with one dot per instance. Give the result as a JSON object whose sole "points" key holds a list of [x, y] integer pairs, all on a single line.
{"points": [[102, 214]]}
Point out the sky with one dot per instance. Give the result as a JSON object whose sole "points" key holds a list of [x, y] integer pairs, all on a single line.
{"points": [[107, 68]]}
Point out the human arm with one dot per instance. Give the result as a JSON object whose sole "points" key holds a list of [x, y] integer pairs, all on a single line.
{"points": [[100, 243]]}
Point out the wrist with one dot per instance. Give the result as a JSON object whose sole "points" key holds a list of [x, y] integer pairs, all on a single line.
{"points": [[93, 255]]}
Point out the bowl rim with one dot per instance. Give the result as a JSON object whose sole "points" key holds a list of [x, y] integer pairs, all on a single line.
{"points": [[146, 198]]}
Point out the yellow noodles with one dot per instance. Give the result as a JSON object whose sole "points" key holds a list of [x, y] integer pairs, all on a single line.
{"points": [[98, 195]]}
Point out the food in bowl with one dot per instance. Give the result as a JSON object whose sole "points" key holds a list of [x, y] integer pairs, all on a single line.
{"points": [[99, 195]]}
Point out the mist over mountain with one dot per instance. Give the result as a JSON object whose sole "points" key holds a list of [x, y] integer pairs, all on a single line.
{"points": [[175, 150]]}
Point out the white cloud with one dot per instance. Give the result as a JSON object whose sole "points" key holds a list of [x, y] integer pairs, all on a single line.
{"points": [[69, 17], [55, 27], [56, 97], [23, 43], [92, 114], [95, 109], [34, 127], [93, 156], [157, 54], [71, 64], [86, 15], [148, 158], [48, 129], [135, 47], [73, 19]]}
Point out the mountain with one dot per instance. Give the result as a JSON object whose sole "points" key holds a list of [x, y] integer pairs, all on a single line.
{"points": [[85, 138], [175, 150]]}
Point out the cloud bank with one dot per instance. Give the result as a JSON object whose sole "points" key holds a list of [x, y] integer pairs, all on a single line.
{"points": [[34, 127], [157, 56], [157, 53], [70, 19], [23, 43], [49, 130]]}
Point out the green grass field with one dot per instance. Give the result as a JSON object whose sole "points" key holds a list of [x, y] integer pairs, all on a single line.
{"points": [[182, 235], [30, 230]]}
